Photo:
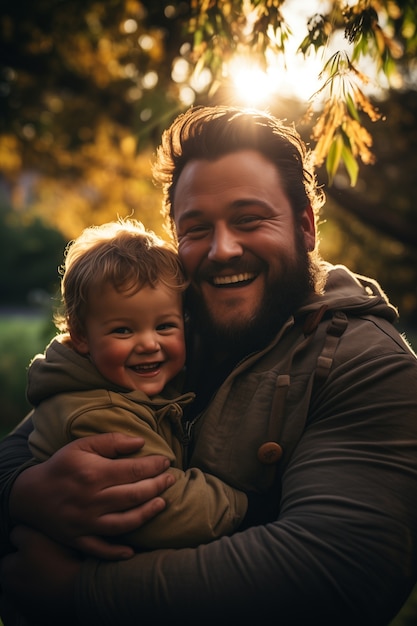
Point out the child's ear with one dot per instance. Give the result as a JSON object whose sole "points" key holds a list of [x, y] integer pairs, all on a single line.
{"points": [[80, 342]]}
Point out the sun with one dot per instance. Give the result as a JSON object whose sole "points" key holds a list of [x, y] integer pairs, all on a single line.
{"points": [[289, 75], [251, 84]]}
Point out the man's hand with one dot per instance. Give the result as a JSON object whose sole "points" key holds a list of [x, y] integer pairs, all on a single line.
{"points": [[86, 492], [38, 579]]}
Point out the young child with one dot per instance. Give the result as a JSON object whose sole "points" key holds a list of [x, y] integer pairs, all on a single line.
{"points": [[114, 368]]}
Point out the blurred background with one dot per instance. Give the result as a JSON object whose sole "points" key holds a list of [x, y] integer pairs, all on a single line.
{"points": [[86, 89]]}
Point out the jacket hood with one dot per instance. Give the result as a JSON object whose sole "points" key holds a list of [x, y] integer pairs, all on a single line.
{"points": [[352, 293], [60, 370]]}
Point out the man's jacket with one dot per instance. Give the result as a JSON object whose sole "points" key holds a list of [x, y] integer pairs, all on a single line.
{"points": [[270, 397]]}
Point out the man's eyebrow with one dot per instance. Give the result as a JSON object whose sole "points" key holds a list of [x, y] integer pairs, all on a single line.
{"points": [[240, 203], [244, 202], [189, 214]]}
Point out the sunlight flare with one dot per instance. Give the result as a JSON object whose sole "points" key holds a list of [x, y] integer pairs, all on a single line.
{"points": [[252, 85]]}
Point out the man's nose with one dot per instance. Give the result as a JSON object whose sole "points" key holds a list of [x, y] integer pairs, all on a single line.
{"points": [[224, 245]]}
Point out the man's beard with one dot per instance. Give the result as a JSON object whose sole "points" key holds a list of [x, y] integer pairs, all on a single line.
{"points": [[282, 299]]}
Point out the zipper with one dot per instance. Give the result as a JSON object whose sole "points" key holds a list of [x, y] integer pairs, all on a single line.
{"points": [[187, 437]]}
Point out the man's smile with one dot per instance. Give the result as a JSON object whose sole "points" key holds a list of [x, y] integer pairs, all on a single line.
{"points": [[234, 280]]}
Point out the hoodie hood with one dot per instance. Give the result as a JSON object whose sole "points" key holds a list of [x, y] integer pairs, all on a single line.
{"points": [[352, 293], [62, 370]]}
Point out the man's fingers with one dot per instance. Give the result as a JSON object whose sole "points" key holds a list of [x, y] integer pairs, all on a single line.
{"points": [[146, 467], [128, 495], [117, 524], [81, 492], [130, 520], [111, 445], [98, 470], [124, 508]]}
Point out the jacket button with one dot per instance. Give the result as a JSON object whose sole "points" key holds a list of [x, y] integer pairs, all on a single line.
{"points": [[269, 452]]}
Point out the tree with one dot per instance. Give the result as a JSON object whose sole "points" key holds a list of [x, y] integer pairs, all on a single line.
{"points": [[74, 90], [30, 255], [63, 60], [86, 89]]}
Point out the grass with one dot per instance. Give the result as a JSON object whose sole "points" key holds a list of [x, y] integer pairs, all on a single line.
{"points": [[21, 337]]}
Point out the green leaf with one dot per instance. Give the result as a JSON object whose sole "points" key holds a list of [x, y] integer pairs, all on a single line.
{"points": [[351, 164], [333, 157], [351, 107]]}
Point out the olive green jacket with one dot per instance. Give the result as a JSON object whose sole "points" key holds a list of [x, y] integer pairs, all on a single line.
{"points": [[73, 400]]}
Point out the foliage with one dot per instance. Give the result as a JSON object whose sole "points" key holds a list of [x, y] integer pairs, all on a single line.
{"points": [[338, 132], [72, 94], [372, 227], [382, 31], [30, 253], [86, 89], [21, 337], [382, 257], [65, 60], [112, 181]]}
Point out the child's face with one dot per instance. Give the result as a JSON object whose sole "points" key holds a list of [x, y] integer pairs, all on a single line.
{"points": [[135, 340]]}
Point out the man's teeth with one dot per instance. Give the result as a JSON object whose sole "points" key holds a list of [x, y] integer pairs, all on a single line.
{"points": [[236, 278]]}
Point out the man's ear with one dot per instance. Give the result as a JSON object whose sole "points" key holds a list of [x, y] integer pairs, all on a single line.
{"points": [[79, 341], [308, 225]]}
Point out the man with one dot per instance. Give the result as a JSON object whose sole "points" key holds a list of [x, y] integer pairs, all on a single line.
{"points": [[305, 400]]}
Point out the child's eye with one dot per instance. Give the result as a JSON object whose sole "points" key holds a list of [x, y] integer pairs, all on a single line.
{"points": [[166, 326], [121, 330]]}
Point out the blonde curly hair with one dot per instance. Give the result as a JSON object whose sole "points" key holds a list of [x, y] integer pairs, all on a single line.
{"points": [[122, 253]]}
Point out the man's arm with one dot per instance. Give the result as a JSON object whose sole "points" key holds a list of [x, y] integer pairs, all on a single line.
{"points": [[37, 555], [14, 456], [117, 494]]}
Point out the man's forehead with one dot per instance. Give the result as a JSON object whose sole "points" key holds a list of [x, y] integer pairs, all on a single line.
{"points": [[234, 180]]}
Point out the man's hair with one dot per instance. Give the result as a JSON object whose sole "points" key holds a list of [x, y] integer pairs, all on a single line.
{"points": [[212, 132], [123, 254]]}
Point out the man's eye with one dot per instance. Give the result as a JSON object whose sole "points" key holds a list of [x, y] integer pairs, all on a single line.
{"points": [[249, 221], [196, 231]]}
